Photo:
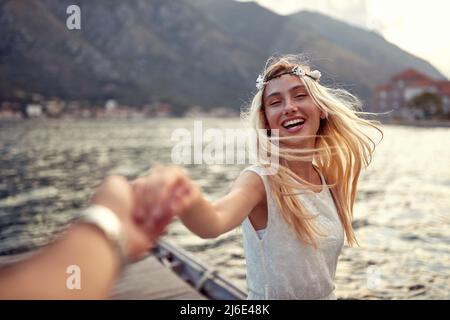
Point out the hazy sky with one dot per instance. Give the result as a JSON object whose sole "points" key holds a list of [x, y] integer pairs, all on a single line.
{"points": [[421, 27]]}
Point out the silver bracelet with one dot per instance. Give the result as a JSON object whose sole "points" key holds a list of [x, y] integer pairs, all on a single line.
{"points": [[107, 221]]}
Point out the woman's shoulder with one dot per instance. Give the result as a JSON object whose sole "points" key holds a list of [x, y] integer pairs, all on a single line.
{"points": [[258, 169], [251, 179], [251, 175]]}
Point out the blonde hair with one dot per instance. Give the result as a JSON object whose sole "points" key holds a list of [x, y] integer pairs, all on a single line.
{"points": [[341, 150]]}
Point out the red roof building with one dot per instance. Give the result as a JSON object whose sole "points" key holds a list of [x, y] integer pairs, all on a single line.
{"points": [[402, 87]]}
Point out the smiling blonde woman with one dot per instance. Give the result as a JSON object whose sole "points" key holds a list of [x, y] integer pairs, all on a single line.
{"points": [[294, 221]]}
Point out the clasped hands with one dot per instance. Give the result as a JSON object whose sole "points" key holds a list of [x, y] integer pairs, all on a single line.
{"points": [[147, 205]]}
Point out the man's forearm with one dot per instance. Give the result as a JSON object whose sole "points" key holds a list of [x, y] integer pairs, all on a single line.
{"points": [[44, 276]]}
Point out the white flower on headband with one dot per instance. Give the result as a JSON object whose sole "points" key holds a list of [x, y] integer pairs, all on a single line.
{"points": [[315, 75], [260, 82], [298, 71]]}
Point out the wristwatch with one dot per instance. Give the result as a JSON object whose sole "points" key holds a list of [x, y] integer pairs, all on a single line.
{"points": [[107, 221]]}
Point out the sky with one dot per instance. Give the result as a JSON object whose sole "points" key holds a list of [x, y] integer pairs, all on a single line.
{"points": [[421, 27]]}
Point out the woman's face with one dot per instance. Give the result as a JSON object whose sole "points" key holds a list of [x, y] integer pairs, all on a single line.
{"points": [[289, 108]]}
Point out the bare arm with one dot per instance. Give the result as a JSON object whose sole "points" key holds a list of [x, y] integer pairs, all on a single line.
{"points": [[209, 220], [86, 246], [44, 276]]}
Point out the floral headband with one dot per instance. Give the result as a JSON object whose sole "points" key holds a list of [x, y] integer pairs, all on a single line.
{"points": [[297, 70]]}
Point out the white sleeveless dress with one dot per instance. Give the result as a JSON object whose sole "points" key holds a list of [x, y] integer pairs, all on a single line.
{"points": [[278, 265]]}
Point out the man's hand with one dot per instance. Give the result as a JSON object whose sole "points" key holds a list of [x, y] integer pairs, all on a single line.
{"points": [[117, 194]]}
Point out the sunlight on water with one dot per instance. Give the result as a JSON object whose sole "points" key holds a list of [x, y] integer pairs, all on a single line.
{"points": [[402, 214]]}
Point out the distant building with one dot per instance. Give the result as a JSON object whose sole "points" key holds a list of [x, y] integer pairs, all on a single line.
{"points": [[9, 110], [402, 87], [54, 108], [195, 111], [223, 112], [34, 110], [163, 110], [111, 105], [157, 110]]}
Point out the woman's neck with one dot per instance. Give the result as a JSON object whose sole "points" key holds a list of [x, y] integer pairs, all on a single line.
{"points": [[306, 171]]}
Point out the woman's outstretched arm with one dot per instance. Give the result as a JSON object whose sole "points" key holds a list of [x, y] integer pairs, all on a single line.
{"points": [[206, 219]]}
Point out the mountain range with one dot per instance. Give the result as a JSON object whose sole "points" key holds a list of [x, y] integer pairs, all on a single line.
{"points": [[185, 52]]}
